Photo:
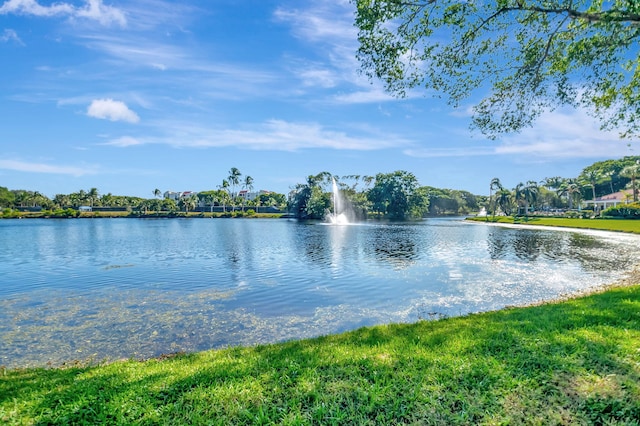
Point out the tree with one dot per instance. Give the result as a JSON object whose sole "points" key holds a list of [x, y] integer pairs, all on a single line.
{"points": [[92, 196], [530, 55], [7, 198], [248, 185], [309, 201], [504, 200], [392, 195], [234, 180], [157, 193], [632, 172], [188, 203], [225, 187], [591, 178], [494, 185], [569, 189]]}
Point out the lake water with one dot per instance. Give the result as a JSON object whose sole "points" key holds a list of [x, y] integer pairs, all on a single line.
{"points": [[104, 289]]}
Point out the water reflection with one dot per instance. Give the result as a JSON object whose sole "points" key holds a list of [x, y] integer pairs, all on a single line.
{"points": [[593, 253], [396, 245], [139, 288]]}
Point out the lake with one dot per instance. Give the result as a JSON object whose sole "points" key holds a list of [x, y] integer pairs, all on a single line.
{"points": [[106, 289]]}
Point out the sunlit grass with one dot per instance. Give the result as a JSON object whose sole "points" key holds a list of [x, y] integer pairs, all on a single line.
{"points": [[573, 362], [619, 225]]}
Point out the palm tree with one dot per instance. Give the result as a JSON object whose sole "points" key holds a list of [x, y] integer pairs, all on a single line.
{"points": [[632, 172], [591, 178], [234, 180], [553, 183], [531, 192], [188, 203], [62, 200], [92, 196], [224, 187], [494, 185], [248, 185], [157, 193], [569, 189], [503, 199]]}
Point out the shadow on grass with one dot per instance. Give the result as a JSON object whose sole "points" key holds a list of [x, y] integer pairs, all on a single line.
{"points": [[566, 363]]}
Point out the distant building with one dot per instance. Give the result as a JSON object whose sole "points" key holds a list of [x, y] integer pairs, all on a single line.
{"points": [[611, 200], [252, 195], [176, 196]]}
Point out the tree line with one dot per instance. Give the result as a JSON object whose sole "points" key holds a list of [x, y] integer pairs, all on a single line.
{"points": [[395, 195]]}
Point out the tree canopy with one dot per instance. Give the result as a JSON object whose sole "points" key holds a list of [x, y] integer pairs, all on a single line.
{"points": [[524, 57]]}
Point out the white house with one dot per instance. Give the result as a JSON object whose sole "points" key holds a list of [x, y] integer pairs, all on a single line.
{"points": [[611, 200], [176, 196]]}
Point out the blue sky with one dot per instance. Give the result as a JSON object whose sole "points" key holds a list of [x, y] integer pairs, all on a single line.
{"points": [[130, 96]]}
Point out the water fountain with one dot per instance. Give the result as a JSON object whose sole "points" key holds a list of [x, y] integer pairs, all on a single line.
{"points": [[338, 216]]}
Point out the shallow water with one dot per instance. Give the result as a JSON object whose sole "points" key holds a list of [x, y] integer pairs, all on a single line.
{"points": [[119, 288]]}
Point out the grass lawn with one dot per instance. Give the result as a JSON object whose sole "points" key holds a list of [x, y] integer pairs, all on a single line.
{"points": [[621, 225], [570, 362]]}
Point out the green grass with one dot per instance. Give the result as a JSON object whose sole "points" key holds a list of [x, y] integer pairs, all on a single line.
{"points": [[620, 225], [571, 362]]}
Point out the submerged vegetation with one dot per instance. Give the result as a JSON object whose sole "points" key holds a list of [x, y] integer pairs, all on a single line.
{"points": [[571, 362]]}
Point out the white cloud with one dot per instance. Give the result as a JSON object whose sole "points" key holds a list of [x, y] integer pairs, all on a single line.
{"points": [[97, 11], [565, 134], [32, 7], [10, 35], [276, 135], [109, 109], [93, 10], [450, 152], [364, 96], [321, 21], [556, 136], [22, 166], [124, 141]]}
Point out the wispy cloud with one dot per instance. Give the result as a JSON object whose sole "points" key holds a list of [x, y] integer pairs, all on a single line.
{"points": [[565, 134], [323, 20], [23, 166], [450, 152], [124, 141], [10, 35], [274, 135], [109, 109], [328, 26], [93, 10], [556, 136]]}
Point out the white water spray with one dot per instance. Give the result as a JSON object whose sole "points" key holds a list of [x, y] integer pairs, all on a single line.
{"points": [[338, 216]]}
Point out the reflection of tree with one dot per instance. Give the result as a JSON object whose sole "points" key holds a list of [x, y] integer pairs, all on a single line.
{"points": [[527, 245], [497, 243], [395, 244], [592, 253], [595, 254]]}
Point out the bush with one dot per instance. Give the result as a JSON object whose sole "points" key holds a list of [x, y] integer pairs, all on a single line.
{"points": [[251, 212], [625, 211], [60, 213], [10, 213]]}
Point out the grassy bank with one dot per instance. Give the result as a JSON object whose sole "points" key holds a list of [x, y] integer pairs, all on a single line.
{"points": [[571, 362], [618, 225], [72, 214]]}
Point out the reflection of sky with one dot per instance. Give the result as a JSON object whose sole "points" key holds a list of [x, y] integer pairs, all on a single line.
{"points": [[139, 288]]}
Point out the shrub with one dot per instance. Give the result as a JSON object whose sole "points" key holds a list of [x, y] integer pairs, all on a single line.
{"points": [[625, 211], [251, 212], [10, 213], [60, 213]]}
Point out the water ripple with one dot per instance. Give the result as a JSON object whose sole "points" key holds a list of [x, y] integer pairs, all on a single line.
{"points": [[135, 288]]}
